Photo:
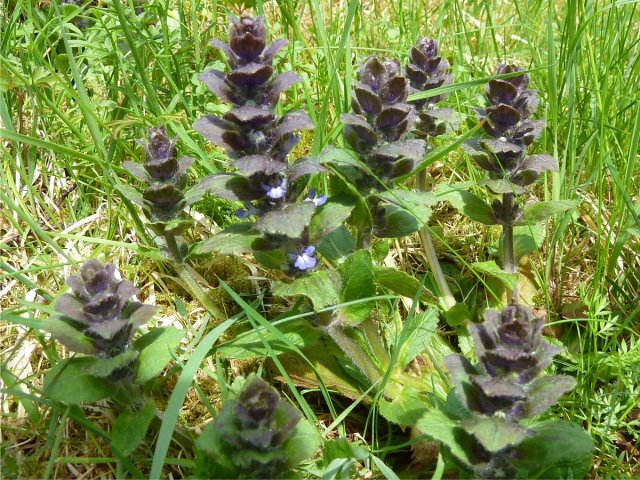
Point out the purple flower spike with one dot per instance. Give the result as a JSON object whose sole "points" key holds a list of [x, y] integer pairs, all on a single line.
{"points": [[304, 259], [275, 190], [317, 201]]}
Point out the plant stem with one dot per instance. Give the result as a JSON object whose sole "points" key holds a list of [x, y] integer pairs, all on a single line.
{"points": [[375, 342], [172, 246], [349, 347], [446, 297], [189, 280], [508, 253]]}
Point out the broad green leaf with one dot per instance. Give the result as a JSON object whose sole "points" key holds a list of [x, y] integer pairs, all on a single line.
{"points": [[491, 268], [358, 283], [321, 287], [131, 426], [70, 337], [156, 350], [105, 366], [420, 329], [415, 203], [500, 186], [396, 222], [406, 408], [269, 258], [236, 238], [299, 333], [131, 194], [527, 240], [495, 433], [69, 382], [468, 204], [337, 245], [544, 392], [303, 443], [290, 221], [439, 427], [402, 284], [330, 217], [558, 449], [340, 157], [540, 211], [457, 315]]}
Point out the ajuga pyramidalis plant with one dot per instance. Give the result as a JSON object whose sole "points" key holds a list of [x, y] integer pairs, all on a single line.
{"points": [[256, 434], [503, 154], [99, 317], [426, 71], [486, 426], [259, 142]]}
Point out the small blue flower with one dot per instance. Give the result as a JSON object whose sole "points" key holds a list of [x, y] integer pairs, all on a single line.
{"points": [[276, 189], [317, 201], [304, 258]]}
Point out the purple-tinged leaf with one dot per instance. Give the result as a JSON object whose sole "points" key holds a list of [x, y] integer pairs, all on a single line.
{"points": [[106, 366], [273, 49], [107, 329], [142, 315], [394, 91], [281, 83], [290, 221], [400, 168], [367, 100], [292, 122], [414, 149], [215, 43], [226, 185], [252, 164], [183, 165], [531, 167], [71, 307], [247, 47], [163, 195], [215, 81], [212, 128], [416, 75], [496, 434], [392, 116], [498, 388], [248, 115], [125, 291], [137, 170], [69, 336], [304, 166], [250, 76], [527, 103], [96, 277], [544, 392], [501, 91], [373, 73], [503, 116]]}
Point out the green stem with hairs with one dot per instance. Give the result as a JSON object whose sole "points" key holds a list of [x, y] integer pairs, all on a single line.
{"points": [[509, 264], [188, 278], [444, 292]]}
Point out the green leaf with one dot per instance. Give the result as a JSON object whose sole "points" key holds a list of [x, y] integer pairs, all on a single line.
{"points": [[495, 433], [403, 284], [415, 203], [406, 408], [270, 258], [558, 449], [439, 427], [468, 204], [105, 366], [299, 333], [236, 238], [545, 392], [341, 157], [500, 186], [290, 221], [359, 282], [457, 315], [69, 382], [156, 350], [527, 240], [396, 222], [330, 217], [131, 194], [491, 268], [337, 245], [302, 444], [540, 211], [70, 337], [420, 329], [131, 426], [321, 287]]}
